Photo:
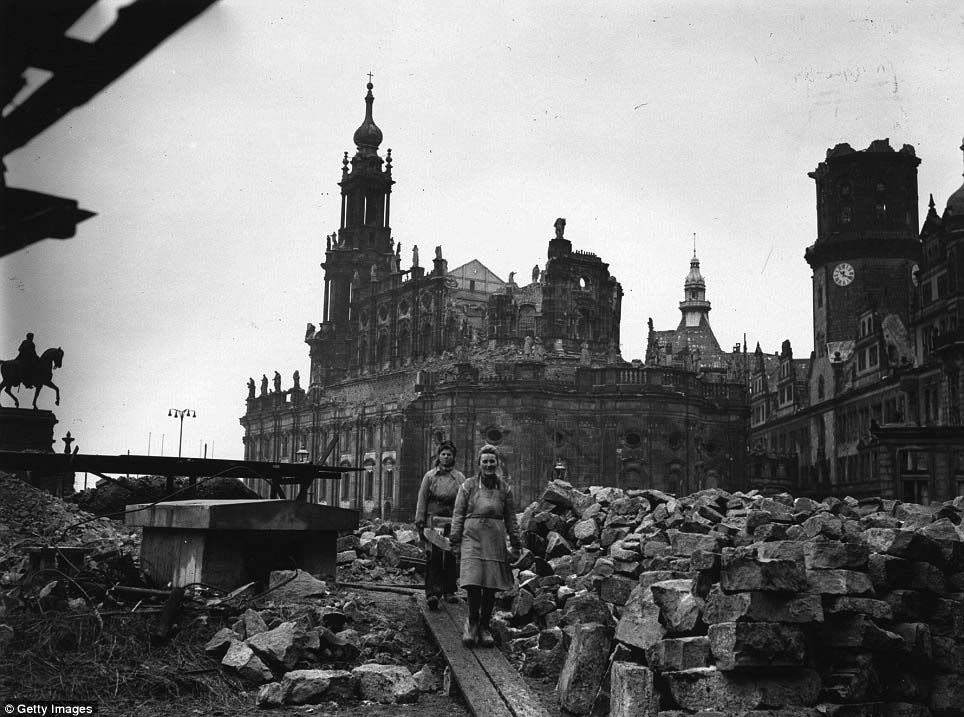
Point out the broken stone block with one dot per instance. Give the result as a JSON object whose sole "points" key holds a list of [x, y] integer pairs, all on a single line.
{"points": [[903, 544], [544, 662], [310, 687], [585, 531], [756, 644], [684, 544], [741, 574], [781, 550], [917, 636], [283, 646], [585, 667], [640, 626], [428, 679], [346, 557], [587, 607], [559, 493], [269, 695], [407, 537], [616, 589], [825, 524], [851, 677], [925, 576], [241, 659], [832, 555], [859, 631], [761, 607], [679, 653], [556, 546], [707, 688], [294, 585], [786, 688], [253, 623], [838, 582], [679, 609], [522, 604], [220, 642], [910, 605], [877, 609], [386, 684], [632, 692]]}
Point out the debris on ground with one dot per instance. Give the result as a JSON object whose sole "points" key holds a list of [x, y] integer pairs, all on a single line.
{"points": [[645, 603]]}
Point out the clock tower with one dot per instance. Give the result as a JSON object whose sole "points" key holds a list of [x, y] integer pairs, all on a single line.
{"points": [[867, 243]]}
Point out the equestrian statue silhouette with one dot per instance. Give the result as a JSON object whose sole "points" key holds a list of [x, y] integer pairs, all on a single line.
{"points": [[32, 374]]}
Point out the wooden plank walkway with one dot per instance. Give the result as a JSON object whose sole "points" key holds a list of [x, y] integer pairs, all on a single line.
{"points": [[489, 684]]}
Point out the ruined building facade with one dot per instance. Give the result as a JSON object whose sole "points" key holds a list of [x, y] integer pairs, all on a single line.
{"points": [[876, 409], [404, 358]]}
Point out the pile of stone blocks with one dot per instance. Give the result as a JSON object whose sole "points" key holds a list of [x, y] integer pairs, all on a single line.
{"points": [[737, 603]]}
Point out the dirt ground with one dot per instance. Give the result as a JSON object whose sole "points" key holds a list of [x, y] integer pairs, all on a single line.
{"points": [[70, 658]]}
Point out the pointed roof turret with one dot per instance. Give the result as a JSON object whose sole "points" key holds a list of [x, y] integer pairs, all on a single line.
{"points": [[368, 136], [955, 202]]}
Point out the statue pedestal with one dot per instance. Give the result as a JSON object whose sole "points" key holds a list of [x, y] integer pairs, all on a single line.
{"points": [[26, 429]]}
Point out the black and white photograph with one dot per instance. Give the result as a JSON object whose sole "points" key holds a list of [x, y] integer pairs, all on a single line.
{"points": [[508, 359]]}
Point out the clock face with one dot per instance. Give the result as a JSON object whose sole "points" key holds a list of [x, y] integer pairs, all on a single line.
{"points": [[843, 274]]}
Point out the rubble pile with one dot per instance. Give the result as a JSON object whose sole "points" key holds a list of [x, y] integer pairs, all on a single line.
{"points": [[111, 497], [379, 551], [325, 649], [32, 517], [736, 603]]}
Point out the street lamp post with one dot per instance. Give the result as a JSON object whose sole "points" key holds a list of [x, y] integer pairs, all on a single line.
{"points": [[180, 413]]}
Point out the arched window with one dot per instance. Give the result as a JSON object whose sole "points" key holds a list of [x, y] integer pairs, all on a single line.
{"points": [[820, 388]]}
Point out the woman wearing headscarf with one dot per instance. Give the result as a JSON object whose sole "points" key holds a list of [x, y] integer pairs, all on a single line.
{"points": [[436, 498], [483, 518]]}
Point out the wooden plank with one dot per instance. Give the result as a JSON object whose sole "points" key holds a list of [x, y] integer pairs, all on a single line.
{"points": [[503, 676], [483, 698]]}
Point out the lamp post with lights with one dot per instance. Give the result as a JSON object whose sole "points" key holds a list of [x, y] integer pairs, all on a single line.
{"points": [[181, 413]]}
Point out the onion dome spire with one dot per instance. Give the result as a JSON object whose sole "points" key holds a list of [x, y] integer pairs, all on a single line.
{"points": [[368, 136]]}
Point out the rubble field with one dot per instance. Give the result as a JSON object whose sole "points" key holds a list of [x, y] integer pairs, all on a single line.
{"points": [[626, 603]]}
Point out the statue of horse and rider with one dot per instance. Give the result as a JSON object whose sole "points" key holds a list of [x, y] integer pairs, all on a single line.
{"points": [[31, 370]]}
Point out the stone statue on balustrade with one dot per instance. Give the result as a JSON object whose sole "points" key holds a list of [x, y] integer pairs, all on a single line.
{"points": [[250, 388], [277, 382]]}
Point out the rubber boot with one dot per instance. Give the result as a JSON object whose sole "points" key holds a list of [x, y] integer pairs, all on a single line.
{"points": [[470, 634]]}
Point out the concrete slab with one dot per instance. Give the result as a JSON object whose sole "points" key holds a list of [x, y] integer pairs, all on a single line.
{"points": [[227, 543]]}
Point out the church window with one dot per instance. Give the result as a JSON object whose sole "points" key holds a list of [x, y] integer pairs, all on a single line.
{"points": [[632, 439], [846, 215], [872, 356], [493, 436], [820, 388], [471, 284], [819, 296]]}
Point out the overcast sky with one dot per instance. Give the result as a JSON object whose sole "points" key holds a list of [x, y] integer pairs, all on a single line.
{"points": [[213, 168]]}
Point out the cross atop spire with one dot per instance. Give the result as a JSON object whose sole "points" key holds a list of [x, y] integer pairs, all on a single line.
{"points": [[694, 245], [370, 76]]}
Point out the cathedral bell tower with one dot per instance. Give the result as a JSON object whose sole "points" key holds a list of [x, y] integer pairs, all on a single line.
{"points": [[867, 243], [363, 240]]}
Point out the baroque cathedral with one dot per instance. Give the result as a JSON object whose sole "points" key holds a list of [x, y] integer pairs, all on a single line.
{"points": [[404, 358]]}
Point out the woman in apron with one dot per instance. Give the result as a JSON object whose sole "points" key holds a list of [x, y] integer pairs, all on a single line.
{"points": [[483, 518], [436, 499]]}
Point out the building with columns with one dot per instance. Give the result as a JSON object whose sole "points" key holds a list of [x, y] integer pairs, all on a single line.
{"points": [[407, 356]]}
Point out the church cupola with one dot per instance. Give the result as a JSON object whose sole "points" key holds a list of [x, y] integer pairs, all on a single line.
{"points": [[694, 305], [368, 137]]}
